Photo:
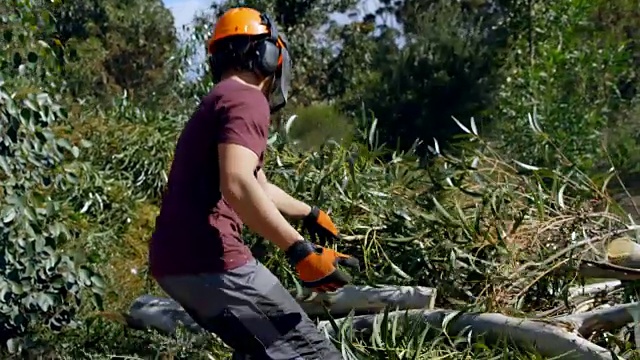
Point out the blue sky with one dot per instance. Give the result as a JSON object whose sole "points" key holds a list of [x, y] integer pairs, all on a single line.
{"points": [[184, 10]]}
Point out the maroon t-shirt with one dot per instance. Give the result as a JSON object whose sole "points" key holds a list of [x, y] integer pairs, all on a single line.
{"points": [[197, 231]]}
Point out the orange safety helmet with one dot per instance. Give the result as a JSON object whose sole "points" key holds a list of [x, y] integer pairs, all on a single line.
{"points": [[269, 55], [238, 21]]}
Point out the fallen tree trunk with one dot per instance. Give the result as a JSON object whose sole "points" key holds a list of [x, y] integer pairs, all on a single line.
{"points": [[542, 336], [164, 314], [554, 336]]}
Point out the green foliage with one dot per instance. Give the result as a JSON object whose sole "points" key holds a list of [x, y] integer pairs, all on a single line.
{"points": [[352, 73], [80, 191], [40, 284], [566, 69], [447, 68], [113, 46], [117, 148], [621, 140], [460, 226], [96, 341]]}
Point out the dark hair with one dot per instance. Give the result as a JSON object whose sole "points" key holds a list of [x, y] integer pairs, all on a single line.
{"points": [[233, 53]]}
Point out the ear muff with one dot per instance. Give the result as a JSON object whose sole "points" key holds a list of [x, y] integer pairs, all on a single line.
{"points": [[267, 51]]}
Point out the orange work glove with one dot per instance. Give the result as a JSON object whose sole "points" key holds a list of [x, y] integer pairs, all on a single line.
{"points": [[320, 227], [317, 266]]}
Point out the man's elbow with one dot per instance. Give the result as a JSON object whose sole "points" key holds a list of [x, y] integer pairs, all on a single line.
{"points": [[233, 184]]}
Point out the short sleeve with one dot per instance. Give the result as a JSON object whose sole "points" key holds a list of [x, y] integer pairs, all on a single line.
{"points": [[245, 122]]}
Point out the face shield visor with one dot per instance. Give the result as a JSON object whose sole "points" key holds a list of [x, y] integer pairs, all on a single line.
{"points": [[281, 83]]}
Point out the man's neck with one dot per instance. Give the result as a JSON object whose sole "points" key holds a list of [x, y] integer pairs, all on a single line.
{"points": [[246, 78]]}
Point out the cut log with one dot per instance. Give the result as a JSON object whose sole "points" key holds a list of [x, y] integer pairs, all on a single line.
{"points": [[164, 314], [367, 299], [624, 252], [542, 336]]}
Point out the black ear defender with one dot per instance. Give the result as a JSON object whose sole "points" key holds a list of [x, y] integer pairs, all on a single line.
{"points": [[267, 51]]}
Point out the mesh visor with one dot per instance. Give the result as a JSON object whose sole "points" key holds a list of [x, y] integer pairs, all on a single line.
{"points": [[282, 83]]}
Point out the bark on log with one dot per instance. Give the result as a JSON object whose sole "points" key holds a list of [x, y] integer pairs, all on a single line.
{"points": [[543, 336]]}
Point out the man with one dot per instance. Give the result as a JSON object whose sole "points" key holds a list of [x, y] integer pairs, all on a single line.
{"points": [[216, 184]]}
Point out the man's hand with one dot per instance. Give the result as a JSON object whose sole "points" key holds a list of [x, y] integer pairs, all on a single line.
{"points": [[320, 227], [317, 266]]}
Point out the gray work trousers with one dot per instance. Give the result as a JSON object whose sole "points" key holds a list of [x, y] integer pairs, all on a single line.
{"points": [[250, 310]]}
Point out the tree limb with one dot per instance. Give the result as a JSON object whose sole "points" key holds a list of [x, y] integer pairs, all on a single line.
{"points": [[607, 319], [164, 314], [544, 337]]}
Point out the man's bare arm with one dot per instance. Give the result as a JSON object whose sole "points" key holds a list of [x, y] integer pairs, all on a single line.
{"points": [[246, 195], [286, 204]]}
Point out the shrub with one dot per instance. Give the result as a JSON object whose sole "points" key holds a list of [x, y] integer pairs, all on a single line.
{"points": [[488, 231], [566, 68], [40, 284], [317, 124], [447, 67]]}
